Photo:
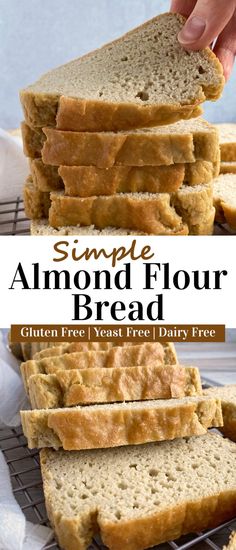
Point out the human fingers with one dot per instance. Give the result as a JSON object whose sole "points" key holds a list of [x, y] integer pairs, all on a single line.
{"points": [[206, 22], [185, 7], [225, 47]]}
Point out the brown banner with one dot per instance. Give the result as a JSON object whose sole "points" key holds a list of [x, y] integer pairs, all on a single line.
{"points": [[122, 333]]}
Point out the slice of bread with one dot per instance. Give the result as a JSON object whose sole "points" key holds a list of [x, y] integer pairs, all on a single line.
{"points": [[139, 497], [66, 388], [224, 198], [227, 394], [227, 133], [46, 177], [41, 228], [232, 542], [185, 141], [159, 214], [143, 79], [166, 349], [117, 424], [228, 167], [121, 356]]}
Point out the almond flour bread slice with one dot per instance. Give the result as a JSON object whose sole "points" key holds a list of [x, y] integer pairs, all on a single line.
{"points": [[126, 356], [84, 181], [227, 133], [167, 351], [117, 424], [139, 497], [228, 167], [185, 141], [227, 394], [148, 213], [100, 385], [143, 79], [224, 198], [232, 542]]}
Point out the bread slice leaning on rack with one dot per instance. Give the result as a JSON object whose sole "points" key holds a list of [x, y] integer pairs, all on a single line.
{"points": [[145, 78], [139, 497], [117, 424]]}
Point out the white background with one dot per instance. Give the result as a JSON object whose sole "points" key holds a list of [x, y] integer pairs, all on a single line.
{"points": [[180, 307], [39, 35]]}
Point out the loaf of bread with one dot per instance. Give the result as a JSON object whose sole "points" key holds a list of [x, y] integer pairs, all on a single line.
{"points": [[184, 141], [117, 424], [121, 356], [159, 214], [227, 134], [139, 497], [90, 180], [228, 167], [227, 394], [143, 79], [166, 352], [224, 197], [66, 388], [36, 202]]}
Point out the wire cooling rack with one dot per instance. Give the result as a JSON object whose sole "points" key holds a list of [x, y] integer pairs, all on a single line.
{"points": [[14, 222], [27, 487]]}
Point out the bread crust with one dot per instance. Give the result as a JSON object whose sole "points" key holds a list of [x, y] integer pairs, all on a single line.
{"points": [[228, 167], [100, 427], [100, 385], [36, 202], [228, 151]]}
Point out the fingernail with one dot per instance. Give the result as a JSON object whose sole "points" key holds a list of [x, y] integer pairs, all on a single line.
{"points": [[193, 30]]}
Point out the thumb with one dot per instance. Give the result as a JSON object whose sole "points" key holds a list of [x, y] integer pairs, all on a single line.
{"points": [[206, 22]]}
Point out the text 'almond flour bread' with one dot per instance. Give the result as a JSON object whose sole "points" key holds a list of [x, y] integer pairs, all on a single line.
{"points": [[120, 356], [184, 141], [84, 181], [139, 497], [227, 134], [227, 394], [117, 424], [143, 79], [167, 353], [158, 214], [101, 385], [224, 198]]}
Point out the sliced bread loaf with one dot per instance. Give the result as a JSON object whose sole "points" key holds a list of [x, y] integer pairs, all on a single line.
{"points": [[143, 79], [139, 497], [36, 202], [120, 356], [228, 167], [45, 177], [117, 424], [224, 197], [227, 134], [227, 394], [100, 385], [167, 351], [185, 141]]}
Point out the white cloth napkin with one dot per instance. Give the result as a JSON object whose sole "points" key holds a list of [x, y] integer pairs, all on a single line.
{"points": [[15, 532], [13, 166]]}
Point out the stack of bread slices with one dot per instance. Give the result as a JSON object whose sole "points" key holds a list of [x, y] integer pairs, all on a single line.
{"points": [[115, 141], [125, 447]]}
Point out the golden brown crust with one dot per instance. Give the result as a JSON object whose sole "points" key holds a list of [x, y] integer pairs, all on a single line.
{"points": [[86, 386], [154, 216], [228, 152], [101, 427], [45, 177], [115, 357], [184, 518], [228, 167], [225, 212], [36, 202], [33, 140]]}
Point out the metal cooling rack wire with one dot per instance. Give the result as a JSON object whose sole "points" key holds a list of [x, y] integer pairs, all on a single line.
{"points": [[12, 218]]}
